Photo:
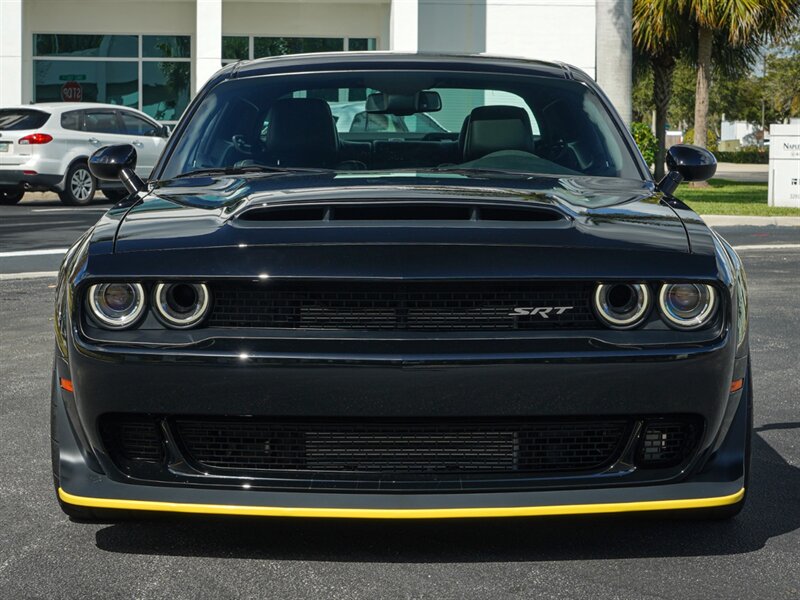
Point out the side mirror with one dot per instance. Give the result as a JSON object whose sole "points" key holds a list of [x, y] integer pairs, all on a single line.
{"points": [[117, 162], [165, 131], [687, 163]]}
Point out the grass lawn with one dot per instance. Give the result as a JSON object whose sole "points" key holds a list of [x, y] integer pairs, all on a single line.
{"points": [[725, 197]]}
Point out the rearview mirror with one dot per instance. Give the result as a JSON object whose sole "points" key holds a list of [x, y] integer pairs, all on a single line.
{"points": [[402, 105], [117, 162], [687, 163]]}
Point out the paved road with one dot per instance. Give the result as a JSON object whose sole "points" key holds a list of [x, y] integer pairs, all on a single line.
{"points": [[743, 172], [43, 555]]}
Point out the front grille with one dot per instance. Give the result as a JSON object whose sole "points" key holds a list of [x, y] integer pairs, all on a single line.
{"points": [[399, 447], [461, 306]]}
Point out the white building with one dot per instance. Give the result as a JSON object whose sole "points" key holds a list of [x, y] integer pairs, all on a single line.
{"points": [[154, 54]]}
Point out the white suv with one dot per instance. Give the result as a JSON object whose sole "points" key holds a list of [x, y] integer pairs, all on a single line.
{"points": [[46, 147]]}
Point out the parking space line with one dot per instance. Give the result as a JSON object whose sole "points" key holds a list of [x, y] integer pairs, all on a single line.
{"points": [[29, 275], [42, 252], [768, 247], [70, 210]]}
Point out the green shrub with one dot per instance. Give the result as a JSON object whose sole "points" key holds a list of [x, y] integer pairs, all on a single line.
{"points": [[746, 156], [645, 140]]}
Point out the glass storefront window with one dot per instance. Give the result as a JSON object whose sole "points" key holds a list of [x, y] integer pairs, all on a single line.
{"points": [[361, 44], [235, 47], [84, 46], [112, 82], [166, 46], [165, 89], [113, 70], [277, 46]]}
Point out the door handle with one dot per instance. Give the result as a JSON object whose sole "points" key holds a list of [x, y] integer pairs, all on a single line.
{"points": [[137, 143], [94, 140]]}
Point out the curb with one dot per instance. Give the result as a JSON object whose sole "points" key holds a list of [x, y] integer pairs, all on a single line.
{"points": [[749, 221]]}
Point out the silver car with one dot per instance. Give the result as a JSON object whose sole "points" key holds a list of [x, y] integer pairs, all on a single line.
{"points": [[45, 147]]}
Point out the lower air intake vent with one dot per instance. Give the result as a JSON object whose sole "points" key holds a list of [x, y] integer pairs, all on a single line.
{"points": [[413, 447], [667, 443], [132, 438]]}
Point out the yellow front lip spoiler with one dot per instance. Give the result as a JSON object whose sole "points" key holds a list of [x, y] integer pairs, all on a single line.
{"points": [[400, 513]]}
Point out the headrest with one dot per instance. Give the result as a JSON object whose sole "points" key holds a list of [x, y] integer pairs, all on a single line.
{"points": [[493, 128], [301, 133]]}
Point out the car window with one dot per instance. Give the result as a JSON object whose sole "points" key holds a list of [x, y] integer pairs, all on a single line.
{"points": [[374, 120], [135, 125], [100, 121], [71, 120], [18, 119], [365, 121]]}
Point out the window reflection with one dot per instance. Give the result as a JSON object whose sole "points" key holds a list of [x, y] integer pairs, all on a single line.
{"points": [[235, 48], [100, 81], [277, 46], [165, 89], [166, 46], [104, 46]]}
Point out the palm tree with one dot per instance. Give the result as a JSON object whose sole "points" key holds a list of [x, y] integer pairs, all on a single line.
{"points": [[659, 36], [741, 24]]}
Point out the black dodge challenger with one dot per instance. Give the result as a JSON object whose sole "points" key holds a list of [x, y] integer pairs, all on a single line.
{"points": [[471, 299]]}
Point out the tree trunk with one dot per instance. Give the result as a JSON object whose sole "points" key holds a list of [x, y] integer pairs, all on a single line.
{"points": [[704, 41], [663, 66]]}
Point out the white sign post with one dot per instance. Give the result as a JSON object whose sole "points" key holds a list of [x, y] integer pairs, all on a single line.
{"points": [[784, 165]]}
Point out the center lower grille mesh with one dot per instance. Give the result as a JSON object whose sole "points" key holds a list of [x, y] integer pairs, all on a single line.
{"points": [[402, 447], [443, 306]]}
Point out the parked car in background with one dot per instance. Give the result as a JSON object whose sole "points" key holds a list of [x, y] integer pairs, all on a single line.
{"points": [[45, 147], [352, 117]]}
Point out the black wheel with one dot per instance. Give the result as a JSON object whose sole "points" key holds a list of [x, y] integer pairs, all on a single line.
{"points": [[11, 196], [80, 186], [115, 195]]}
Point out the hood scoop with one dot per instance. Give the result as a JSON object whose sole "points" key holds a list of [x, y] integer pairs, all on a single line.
{"points": [[400, 211]]}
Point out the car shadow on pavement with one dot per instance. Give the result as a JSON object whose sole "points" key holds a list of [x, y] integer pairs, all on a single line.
{"points": [[771, 510]]}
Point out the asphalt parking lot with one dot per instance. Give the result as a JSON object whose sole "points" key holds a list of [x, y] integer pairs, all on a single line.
{"points": [[44, 555]]}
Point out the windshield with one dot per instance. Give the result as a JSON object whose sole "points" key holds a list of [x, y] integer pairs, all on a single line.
{"points": [[390, 121]]}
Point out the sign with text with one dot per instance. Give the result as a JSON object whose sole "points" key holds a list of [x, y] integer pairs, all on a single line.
{"points": [[71, 91], [784, 165]]}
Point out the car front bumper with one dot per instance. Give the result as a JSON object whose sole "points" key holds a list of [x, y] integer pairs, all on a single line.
{"points": [[679, 383]]}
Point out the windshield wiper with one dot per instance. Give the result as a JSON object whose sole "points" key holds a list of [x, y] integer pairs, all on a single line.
{"points": [[249, 169]]}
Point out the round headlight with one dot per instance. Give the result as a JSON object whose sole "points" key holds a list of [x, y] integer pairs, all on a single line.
{"points": [[687, 305], [181, 305], [116, 305], [622, 305]]}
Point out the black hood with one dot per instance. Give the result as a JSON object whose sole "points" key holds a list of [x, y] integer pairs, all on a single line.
{"points": [[581, 212]]}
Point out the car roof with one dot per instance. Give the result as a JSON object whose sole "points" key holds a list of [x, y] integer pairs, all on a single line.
{"points": [[398, 60], [56, 107]]}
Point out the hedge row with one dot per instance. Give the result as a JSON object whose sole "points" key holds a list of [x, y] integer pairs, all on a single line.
{"points": [[746, 156]]}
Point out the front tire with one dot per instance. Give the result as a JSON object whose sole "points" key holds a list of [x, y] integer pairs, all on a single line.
{"points": [[11, 196], [80, 186]]}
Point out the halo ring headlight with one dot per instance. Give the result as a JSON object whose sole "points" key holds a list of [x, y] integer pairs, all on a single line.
{"points": [[687, 305], [116, 305], [622, 305], [181, 305]]}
